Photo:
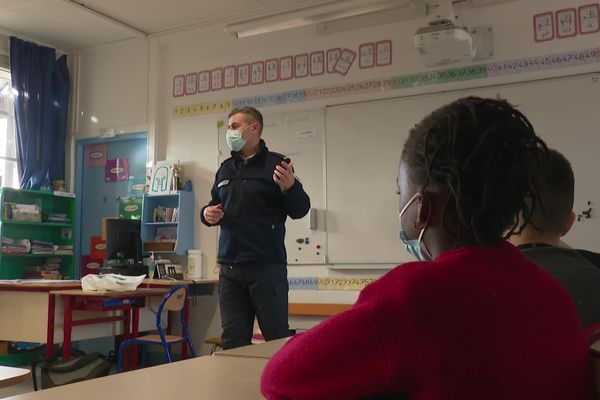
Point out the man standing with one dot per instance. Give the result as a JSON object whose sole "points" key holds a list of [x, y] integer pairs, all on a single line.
{"points": [[254, 192]]}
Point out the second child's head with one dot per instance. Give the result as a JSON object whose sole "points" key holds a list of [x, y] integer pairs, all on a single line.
{"points": [[553, 215], [466, 175]]}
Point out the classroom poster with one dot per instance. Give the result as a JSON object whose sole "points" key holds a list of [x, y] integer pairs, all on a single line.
{"points": [[95, 155], [116, 170], [160, 180], [136, 186], [130, 208], [90, 265], [97, 248]]}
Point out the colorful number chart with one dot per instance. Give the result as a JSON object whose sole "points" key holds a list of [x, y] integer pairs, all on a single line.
{"points": [[295, 66]]}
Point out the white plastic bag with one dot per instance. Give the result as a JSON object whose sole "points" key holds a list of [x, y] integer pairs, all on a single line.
{"points": [[114, 282]]}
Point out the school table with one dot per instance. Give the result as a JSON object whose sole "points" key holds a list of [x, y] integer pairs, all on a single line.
{"points": [[129, 302], [24, 311], [26, 305], [215, 378], [12, 376], [264, 350]]}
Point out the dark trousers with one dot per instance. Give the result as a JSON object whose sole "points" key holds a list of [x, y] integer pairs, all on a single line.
{"points": [[248, 291]]}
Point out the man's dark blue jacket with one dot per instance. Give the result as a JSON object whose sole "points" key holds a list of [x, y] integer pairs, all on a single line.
{"points": [[255, 208]]}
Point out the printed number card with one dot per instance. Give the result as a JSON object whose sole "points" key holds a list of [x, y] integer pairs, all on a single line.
{"points": [[216, 79], [366, 55], [190, 84], [543, 27], [229, 77], [345, 61], [272, 70], [257, 76], [566, 26], [384, 53], [178, 85], [588, 18], [243, 75], [286, 68], [332, 56], [203, 81], [301, 65], [317, 63]]}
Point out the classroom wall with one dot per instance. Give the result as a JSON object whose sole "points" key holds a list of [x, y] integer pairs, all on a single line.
{"points": [[4, 49], [128, 86]]}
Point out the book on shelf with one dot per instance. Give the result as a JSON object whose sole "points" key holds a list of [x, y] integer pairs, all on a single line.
{"points": [[15, 246], [165, 214], [59, 218], [64, 249], [40, 247], [22, 212]]}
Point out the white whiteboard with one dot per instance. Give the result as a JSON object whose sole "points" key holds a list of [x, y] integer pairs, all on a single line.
{"points": [[364, 142], [300, 136]]}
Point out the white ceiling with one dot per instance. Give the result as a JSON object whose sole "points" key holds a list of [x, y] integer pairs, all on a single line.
{"points": [[67, 24], [74, 24]]}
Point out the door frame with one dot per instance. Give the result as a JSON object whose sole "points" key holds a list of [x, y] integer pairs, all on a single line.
{"points": [[79, 153]]}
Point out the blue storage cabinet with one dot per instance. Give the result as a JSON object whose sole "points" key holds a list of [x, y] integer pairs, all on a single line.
{"points": [[184, 227]]}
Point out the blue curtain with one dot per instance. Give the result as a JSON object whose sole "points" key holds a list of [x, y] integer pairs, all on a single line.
{"points": [[42, 85]]}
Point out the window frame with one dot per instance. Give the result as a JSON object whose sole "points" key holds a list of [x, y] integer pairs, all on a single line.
{"points": [[10, 117]]}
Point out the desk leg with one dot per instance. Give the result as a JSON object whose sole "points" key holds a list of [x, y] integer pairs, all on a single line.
{"points": [[127, 362], [135, 323], [50, 328], [186, 318], [67, 326]]}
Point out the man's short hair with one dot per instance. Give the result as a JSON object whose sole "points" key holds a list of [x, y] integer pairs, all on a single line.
{"points": [[251, 114], [556, 185]]}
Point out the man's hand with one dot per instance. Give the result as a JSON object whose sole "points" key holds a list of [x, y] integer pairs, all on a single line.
{"points": [[283, 175], [213, 214]]}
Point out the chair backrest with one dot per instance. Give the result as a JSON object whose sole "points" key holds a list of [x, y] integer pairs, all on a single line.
{"points": [[175, 299]]}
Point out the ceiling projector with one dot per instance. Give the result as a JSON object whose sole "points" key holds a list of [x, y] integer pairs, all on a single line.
{"points": [[443, 43]]}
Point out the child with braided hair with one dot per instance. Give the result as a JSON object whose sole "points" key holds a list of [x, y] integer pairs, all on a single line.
{"points": [[473, 319]]}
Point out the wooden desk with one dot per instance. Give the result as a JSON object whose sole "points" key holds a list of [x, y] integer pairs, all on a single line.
{"points": [[260, 350], [28, 307], [316, 309], [129, 302], [11, 376], [206, 377]]}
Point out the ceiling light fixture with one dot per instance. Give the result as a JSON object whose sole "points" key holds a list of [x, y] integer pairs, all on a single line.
{"points": [[310, 16]]}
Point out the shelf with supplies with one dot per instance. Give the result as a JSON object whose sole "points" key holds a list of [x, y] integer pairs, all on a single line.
{"points": [[168, 222], [37, 224], [37, 235]]}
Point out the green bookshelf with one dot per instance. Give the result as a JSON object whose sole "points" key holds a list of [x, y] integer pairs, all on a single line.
{"points": [[14, 266]]}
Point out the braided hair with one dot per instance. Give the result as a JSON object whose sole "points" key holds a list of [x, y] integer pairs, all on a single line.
{"points": [[480, 154]]}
